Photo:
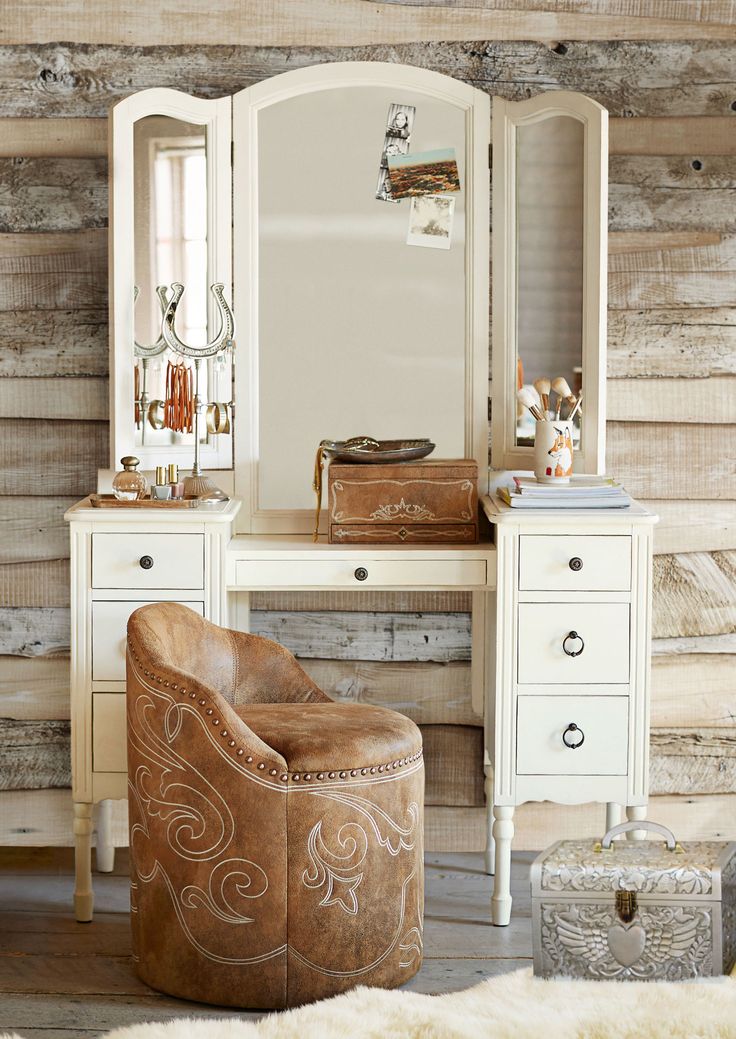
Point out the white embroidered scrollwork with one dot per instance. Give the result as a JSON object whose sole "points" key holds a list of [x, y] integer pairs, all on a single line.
{"points": [[338, 872], [390, 834], [231, 878]]}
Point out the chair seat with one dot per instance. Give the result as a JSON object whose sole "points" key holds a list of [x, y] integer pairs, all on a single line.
{"points": [[317, 737]]}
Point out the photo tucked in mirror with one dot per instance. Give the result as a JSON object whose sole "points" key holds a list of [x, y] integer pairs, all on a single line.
{"points": [[549, 276], [170, 164]]}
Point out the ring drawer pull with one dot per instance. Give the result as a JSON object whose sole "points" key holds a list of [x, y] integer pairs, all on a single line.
{"points": [[576, 564], [146, 562], [573, 742], [361, 574], [573, 636]]}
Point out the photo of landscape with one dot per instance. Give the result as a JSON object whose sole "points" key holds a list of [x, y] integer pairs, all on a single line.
{"points": [[424, 173]]}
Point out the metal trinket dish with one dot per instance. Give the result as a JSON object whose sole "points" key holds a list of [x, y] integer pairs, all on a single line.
{"points": [[634, 910], [366, 449]]}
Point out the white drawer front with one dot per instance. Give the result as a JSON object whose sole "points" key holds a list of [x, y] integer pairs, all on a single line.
{"points": [[147, 560], [571, 563], [277, 573], [543, 640], [602, 722], [109, 733], [109, 630]]}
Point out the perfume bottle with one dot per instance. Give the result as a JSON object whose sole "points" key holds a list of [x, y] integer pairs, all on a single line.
{"points": [[129, 485], [161, 490]]}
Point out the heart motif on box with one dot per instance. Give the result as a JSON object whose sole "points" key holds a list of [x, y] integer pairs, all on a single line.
{"points": [[626, 942]]}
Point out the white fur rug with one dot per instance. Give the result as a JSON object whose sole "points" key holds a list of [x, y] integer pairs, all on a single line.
{"points": [[512, 1006]]}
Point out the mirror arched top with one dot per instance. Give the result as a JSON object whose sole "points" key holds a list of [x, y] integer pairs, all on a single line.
{"points": [[550, 177], [345, 328]]}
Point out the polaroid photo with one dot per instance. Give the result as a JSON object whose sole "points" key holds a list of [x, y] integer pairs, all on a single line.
{"points": [[423, 173], [430, 221], [399, 124]]}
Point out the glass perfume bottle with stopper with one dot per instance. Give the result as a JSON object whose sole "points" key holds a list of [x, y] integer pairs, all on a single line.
{"points": [[129, 485]]}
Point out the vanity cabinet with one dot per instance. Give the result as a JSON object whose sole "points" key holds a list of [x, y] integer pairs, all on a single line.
{"points": [[570, 644], [122, 559]]}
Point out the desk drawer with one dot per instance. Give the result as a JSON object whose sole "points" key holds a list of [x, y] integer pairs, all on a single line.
{"points": [[147, 561], [601, 649], [366, 573], [601, 722], [109, 753], [571, 562], [109, 630]]}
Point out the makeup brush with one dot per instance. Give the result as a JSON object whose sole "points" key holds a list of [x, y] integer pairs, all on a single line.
{"points": [[578, 407], [561, 387], [542, 386], [529, 399]]}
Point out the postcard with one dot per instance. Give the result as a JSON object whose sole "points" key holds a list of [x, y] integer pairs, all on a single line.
{"points": [[423, 173], [430, 221]]}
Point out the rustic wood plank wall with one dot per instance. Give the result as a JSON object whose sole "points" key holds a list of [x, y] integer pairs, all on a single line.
{"points": [[665, 69]]}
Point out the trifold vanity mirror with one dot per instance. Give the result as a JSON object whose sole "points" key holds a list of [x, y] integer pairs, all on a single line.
{"points": [[357, 313]]}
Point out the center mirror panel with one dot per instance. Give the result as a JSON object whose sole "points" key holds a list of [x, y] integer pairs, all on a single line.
{"points": [[353, 330]]}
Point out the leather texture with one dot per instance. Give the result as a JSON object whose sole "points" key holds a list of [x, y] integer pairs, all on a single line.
{"points": [[276, 836]]}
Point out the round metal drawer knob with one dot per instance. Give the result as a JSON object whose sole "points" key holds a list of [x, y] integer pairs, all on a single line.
{"points": [[573, 636], [576, 564], [573, 737], [146, 562], [361, 574]]}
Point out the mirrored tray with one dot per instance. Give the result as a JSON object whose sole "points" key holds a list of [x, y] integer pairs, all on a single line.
{"points": [[368, 450]]}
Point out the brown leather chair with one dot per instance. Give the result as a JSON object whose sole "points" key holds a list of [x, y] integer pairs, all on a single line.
{"points": [[275, 836]]}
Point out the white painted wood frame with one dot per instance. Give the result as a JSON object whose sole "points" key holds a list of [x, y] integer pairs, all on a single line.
{"points": [[215, 119], [247, 107], [508, 116]]}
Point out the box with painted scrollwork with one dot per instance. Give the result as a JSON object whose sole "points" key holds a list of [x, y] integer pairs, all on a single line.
{"points": [[427, 502], [635, 911]]}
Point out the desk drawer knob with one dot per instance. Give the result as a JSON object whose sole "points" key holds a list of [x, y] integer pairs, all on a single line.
{"points": [[573, 737], [573, 636], [576, 564], [146, 562], [361, 574]]}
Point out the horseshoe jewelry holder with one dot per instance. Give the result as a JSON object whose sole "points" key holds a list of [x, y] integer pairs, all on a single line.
{"points": [[146, 353], [197, 485]]}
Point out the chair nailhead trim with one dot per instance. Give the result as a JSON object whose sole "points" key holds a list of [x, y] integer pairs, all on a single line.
{"points": [[284, 777]]}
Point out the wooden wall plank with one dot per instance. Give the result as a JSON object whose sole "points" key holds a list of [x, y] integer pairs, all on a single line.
{"points": [[53, 194], [89, 246], [669, 400], [44, 583], [694, 691], [694, 594], [26, 632], [368, 601], [694, 645], [620, 243], [693, 526], [34, 528], [52, 398], [693, 763], [51, 292], [689, 461], [59, 138], [672, 135], [692, 343], [44, 818], [34, 755], [63, 343], [34, 688], [359, 22], [60, 458], [631, 291], [672, 258]]}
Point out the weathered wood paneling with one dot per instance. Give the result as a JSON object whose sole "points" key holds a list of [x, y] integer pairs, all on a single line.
{"points": [[34, 688], [34, 755], [685, 343], [53, 343], [34, 632], [671, 400], [59, 138], [59, 458], [685, 763], [363, 601], [49, 398], [690, 692], [694, 594], [663, 460], [453, 763], [53, 194], [33, 528], [693, 526], [45, 583]]}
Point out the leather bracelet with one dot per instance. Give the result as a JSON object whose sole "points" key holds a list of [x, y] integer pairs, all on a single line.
{"points": [[156, 414]]}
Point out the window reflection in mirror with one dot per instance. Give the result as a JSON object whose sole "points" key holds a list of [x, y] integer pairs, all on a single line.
{"points": [[170, 245], [549, 276]]}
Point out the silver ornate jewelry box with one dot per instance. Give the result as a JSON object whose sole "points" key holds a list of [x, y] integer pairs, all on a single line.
{"points": [[634, 910]]}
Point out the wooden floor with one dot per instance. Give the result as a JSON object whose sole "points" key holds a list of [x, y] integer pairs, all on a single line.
{"points": [[63, 980]]}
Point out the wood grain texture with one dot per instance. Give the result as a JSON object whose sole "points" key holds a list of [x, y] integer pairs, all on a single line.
{"points": [[678, 256], [625, 242], [49, 398], [683, 762], [693, 136], [34, 632], [363, 601], [34, 688], [453, 763], [44, 818], [359, 22], [58, 138], [694, 645], [428, 693], [60, 458], [693, 526], [44, 583], [53, 194], [654, 460], [45, 342], [34, 529], [694, 594], [672, 342], [34, 755], [670, 400]]}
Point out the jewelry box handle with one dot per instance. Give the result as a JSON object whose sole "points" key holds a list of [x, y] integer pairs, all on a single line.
{"points": [[641, 824]]}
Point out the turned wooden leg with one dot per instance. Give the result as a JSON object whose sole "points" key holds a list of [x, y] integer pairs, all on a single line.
{"points": [[634, 813], [613, 815], [503, 834], [83, 895], [105, 854], [490, 855]]}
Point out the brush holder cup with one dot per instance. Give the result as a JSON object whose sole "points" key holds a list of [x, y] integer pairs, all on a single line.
{"points": [[553, 450]]}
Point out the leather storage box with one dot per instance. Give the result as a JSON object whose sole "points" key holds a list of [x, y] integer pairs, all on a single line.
{"points": [[635, 911], [426, 502]]}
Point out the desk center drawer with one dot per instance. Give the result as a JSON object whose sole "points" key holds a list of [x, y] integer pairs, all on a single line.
{"points": [[561, 643], [359, 573], [147, 560]]}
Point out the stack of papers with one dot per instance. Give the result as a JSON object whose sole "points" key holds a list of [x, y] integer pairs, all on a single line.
{"points": [[582, 492]]}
